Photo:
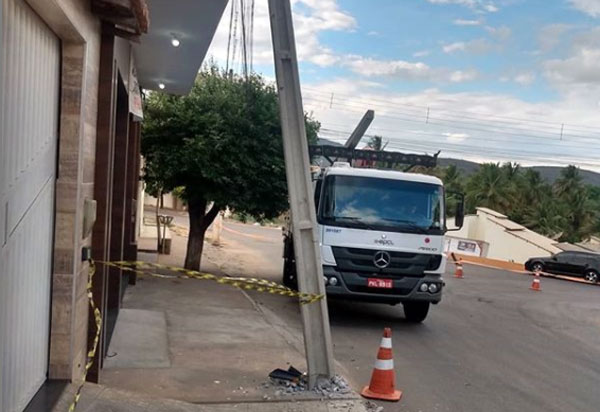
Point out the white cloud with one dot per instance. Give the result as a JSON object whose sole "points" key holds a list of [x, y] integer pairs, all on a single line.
{"points": [[581, 65], [480, 6], [524, 79], [414, 71], [396, 68], [373, 33], [453, 47], [550, 35], [465, 22], [456, 137], [431, 120], [477, 46], [461, 76], [422, 53], [320, 15], [502, 33], [591, 7]]}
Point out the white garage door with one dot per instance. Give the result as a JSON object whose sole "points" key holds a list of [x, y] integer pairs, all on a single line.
{"points": [[29, 101]]}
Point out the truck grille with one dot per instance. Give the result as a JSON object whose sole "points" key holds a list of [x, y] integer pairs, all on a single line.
{"points": [[362, 261]]}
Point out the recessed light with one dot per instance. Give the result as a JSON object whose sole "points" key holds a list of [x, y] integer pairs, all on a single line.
{"points": [[161, 86], [175, 42]]}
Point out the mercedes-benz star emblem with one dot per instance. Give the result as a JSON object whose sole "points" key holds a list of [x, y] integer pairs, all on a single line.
{"points": [[382, 259]]}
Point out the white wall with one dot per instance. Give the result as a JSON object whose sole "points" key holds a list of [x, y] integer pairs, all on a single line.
{"points": [[502, 244]]}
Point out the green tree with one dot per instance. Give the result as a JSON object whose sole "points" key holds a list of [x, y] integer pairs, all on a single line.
{"points": [[375, 143], [488, 188], [542, 214], [580, 217], [222, 145], [569, 181], [453, 179], [453, 183]]}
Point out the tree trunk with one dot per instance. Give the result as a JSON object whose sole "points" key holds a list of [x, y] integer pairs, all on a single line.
{"points": [[200, 220]]}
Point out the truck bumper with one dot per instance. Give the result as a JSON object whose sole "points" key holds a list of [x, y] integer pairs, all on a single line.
{"points": [[353, 286]]}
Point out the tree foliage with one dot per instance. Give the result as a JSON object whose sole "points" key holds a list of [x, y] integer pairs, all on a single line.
{"points": [[566, 210], [219, 144]]}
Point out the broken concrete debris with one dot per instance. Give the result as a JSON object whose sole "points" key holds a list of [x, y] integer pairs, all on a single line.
{"points": [[293, 381]]}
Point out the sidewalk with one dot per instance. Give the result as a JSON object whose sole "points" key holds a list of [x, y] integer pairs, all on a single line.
{"points": [[97, 398], [189, 345]]}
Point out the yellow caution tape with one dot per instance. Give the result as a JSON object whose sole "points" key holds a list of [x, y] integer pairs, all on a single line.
{"points": [[260, 285], [145, 268], [92, 353]]}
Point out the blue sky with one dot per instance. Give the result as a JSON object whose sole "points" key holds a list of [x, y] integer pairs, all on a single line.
{"points": [[481, 79]]}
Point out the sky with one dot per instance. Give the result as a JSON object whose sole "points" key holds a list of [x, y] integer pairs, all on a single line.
{"points": [[482, 80]]}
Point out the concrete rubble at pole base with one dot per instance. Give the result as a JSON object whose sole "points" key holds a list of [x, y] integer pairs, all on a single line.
{"points": [[336, 387]]}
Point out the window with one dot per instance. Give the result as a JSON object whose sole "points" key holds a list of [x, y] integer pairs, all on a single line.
{"points": [[382, 204]]}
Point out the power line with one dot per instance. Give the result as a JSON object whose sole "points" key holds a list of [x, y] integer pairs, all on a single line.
{"points": [[558, 144], [404, 144], [480, 127], [462, 114], [521, 132]]}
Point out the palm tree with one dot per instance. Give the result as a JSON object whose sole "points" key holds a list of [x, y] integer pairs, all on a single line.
{"points": [[580, 216], [512, 171], [544, 216], [579, 211], [570, 180], [453, 179], [489, 188]]}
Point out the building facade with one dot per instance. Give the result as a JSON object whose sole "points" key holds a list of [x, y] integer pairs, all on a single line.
{"points": [[70, 117]]}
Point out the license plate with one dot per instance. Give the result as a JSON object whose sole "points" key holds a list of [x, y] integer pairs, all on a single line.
{"points": [[380, 283]]}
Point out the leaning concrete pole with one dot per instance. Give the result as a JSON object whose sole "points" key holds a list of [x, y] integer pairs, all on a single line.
{"points": [[360, 130], [317, 335]]}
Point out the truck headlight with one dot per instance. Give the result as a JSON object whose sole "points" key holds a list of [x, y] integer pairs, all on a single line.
{"points": [[433, 288], [424, 287], [333, 281]]}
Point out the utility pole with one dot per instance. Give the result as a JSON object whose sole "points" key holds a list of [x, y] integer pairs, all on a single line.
{"points": [[360, 130], [315, 318]]}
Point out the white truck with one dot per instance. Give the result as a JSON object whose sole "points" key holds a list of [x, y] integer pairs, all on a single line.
{"points": [[382, 237]]}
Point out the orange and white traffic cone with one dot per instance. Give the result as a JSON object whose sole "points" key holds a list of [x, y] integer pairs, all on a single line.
{"points": [[536, 285], [458, 273], [383, 379]]}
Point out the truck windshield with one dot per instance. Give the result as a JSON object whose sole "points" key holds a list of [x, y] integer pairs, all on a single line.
{"points": [[382, 204]]}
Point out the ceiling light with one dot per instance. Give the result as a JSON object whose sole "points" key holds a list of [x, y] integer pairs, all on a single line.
{"points": [[175, 42], [161, 86]]}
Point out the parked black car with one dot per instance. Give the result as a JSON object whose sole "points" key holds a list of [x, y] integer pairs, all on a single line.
{"points": [[580, 264]]}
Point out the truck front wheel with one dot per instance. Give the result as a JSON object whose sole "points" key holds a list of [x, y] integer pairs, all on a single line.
{"points": [[415, 312], [289, 274]]}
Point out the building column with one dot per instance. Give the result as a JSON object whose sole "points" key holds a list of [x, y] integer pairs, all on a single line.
{"points": [[107, 93]]}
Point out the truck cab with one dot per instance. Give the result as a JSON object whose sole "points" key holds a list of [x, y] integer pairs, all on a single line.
{"points": [[381, 234]]}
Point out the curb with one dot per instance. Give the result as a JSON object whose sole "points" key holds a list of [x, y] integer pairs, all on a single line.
{"points": [[528, 273]]}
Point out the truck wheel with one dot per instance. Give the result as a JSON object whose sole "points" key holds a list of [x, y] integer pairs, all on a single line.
{"points": [[289, 274], [415, 312]]}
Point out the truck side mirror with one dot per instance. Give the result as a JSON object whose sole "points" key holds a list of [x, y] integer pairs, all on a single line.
{"points": [[459, 214], [459, 219]]}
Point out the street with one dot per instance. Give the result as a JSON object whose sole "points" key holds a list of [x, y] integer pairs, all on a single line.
{"points": [[490, 345]]}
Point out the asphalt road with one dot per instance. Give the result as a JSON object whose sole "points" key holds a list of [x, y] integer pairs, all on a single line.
{"points": [[490, 345]]}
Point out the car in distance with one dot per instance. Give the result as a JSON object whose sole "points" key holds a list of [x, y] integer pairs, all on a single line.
{"points": [[580, 264]]}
